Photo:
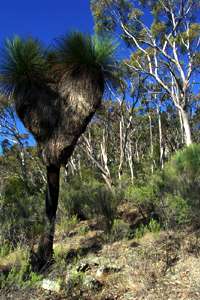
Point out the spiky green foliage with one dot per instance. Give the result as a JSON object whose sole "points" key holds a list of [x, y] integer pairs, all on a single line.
{"points": [[180, 187], [77, 52], [22, 65]]}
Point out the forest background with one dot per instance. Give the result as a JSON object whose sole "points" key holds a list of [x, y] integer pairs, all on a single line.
{"points": [[141, 149]]}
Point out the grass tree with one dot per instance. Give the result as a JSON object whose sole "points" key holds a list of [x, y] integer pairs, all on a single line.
{"points": [[55, 95]]}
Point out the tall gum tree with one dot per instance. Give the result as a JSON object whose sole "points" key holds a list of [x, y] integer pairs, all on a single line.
{"points": [[55, 95], [168, 50]]}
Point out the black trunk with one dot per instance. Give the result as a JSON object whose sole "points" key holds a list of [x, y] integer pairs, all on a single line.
{"points": [[44, 254]]}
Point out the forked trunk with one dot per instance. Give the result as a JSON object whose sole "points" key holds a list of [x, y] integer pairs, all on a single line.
{"points": [[57, 119], [44, 254]]}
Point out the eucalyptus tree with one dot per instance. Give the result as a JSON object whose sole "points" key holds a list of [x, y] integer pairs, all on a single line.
{"points": [[10, 134], [56, 95], [165, 47]]}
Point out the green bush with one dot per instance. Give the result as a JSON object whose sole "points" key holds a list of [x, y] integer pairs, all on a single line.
{"points": [[77, 196], [5, 249], [153, 226], [21, 212], [145, 197], [65, 224], [20, 276], [105, 204], [175, 210], [87, 198], [140, 195], [181, 186], [173, 194], [120, 230]]}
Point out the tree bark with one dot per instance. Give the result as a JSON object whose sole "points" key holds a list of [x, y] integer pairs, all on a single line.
{"points": [[186, 126], [151, 143], [130, 159], [121, 156], [45, 248], [160, 137], [181, 127]]}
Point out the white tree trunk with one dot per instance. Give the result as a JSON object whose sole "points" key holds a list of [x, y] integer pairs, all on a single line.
{"points": [[137, 152], [102, 165], [160, 137], [151, 144], [130, 159], [181, 126], [186, 126], [121, 158]]}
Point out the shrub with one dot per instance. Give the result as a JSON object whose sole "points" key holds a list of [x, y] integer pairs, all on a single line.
{"points": [[65, 225], [120, 230], [172, 194], [77, 196], [140, 195], [87, 198], [153, 226], [145, 198], [175, 211], [20, 276], [20, 212], [181, 188], [105, 205], [5, 249]]}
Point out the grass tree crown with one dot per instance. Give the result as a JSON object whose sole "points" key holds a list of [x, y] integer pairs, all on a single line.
{"points": [[76, 52], [56, 93], [23, 64]]}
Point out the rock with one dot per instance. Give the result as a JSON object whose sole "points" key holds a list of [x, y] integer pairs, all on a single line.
{"points": [[69, 283], [71, 254], [92, 244], [5, 270], [51, 285], [93, 261], [103, 270], [71, 233], [134, 244], [83, 267], [100, 272], [92, 283], [81, 281]]}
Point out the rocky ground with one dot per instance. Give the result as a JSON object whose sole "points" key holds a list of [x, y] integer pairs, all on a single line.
{"points": [[162, 265]]}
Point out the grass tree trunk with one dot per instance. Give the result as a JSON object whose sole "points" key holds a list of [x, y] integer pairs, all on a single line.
{"points": [[56, 97], [45, 248]]}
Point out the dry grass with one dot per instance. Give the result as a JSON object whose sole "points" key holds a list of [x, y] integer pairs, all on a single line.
{"points": [[155, 267], [11, 258]]}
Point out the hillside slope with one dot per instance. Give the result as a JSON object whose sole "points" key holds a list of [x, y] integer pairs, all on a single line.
{"points": [[91, 265]]}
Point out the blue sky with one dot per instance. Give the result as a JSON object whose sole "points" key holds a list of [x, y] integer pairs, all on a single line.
{"points": [[44, 19]]}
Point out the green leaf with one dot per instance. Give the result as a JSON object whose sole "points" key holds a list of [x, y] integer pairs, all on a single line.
{"points": [[22, 64]]}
